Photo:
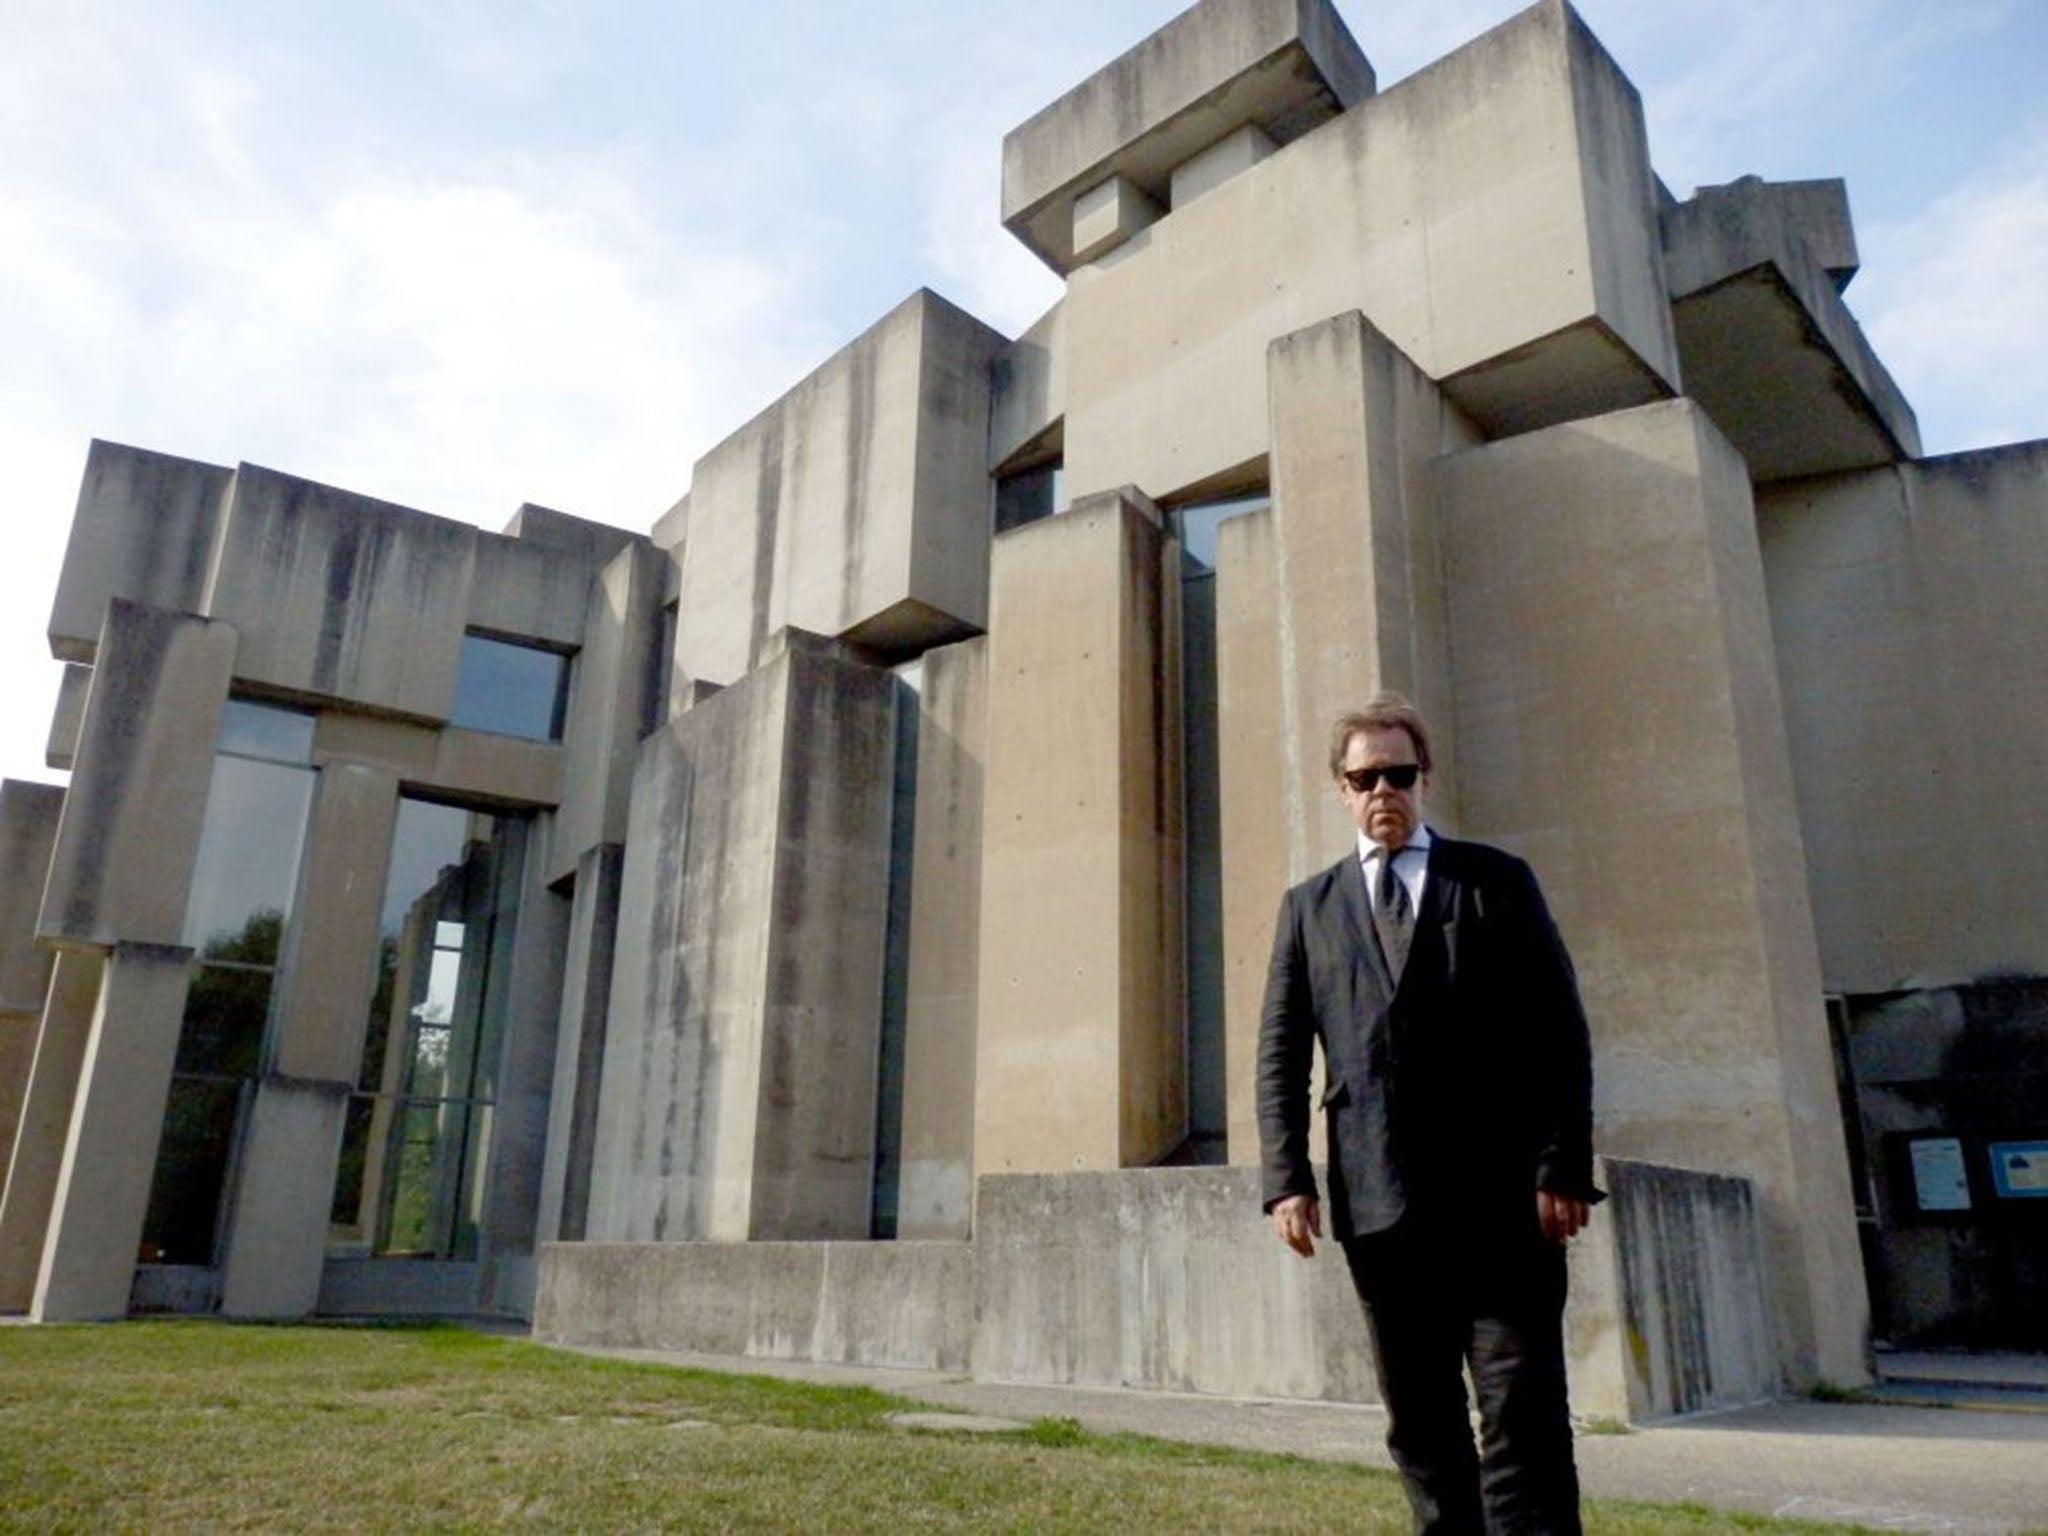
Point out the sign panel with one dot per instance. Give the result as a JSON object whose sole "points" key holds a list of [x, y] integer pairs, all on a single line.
{"points": [[1940, 1180], [2019, 1169]]}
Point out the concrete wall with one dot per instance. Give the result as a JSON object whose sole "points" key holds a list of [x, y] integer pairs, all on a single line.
{"points": [[28, 832], [904, 1304], [936, 1193], [1906, 608], [44, 1123], [740, 1065], [1079, 1051], [1492, 215], [580, 1045], [1619, 725], [856, 506]]}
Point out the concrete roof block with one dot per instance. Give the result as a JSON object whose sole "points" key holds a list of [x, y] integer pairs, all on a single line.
{"points": [[28, 831], [1285, 65], [594, 541], [341, 596], [144, 530], [68, 717], [527, 591], [1719, 229]]}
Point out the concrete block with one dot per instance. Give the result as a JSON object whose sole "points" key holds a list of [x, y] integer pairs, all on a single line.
{"points": [[1079, 1046], [122, 864], [907, 1305], [1284, 65], [594, 544], [936, 1190], [277, 1230], [1234, 152], [351, 1287], [474, 766], [1908, 625], [1029, 394], [341, 595], [43, 1122], [330, 970], [102, 1188], [1614, 732], [28, 832], [1108, 215], [529, 591], [856, 506], [68, 718], [143, 532], [580, 1045], [1493, 216], [738, 1097]]}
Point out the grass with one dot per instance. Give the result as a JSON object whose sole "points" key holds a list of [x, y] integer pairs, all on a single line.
{"points": [[191, 1424]]}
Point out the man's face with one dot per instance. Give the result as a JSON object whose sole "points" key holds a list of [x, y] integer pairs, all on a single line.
{"points": [[1387, 815]]}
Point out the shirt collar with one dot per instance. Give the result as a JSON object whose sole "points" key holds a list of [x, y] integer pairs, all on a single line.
{"points": [[1370, 851]]}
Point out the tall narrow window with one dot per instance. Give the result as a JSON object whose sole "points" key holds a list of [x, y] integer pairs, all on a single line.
{"points": [[242, 887], [410, 1181]]}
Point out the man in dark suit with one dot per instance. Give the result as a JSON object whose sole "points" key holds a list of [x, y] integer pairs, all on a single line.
{"points": [[1459, 1105]]}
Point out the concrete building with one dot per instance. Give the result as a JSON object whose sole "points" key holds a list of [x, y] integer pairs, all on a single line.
{"points": [[832, 923]]}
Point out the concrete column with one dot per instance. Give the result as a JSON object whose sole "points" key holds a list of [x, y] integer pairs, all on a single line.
{"points": [[936, 1199], [738, 1098], [1080, 1049], [1619, 725], [579, 1045], [102, 1191], [277, 1228], [38, 1144], [28, 828]]}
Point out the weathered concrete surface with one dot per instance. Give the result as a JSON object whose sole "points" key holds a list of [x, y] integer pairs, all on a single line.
{"points": [[1079, 1042], [738, 1096], [906, 1304], [1906, 608], [855, 506], [144, 528], [474, 766], [1767, 344], [1210, 167], [68, 718], [1108, 215], [44, 1121], [580, 1045], [102, 1189], [398, 1288], [1619, 725], [1028, 385], [935, 1196], [1285, 65], [28, 832], [276, 1240], [122, 864], [1493, 215]]}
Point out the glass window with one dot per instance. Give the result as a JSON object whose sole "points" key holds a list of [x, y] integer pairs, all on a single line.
{"points": [[248, 864], [510, 689], [1028, 495], [1195, 525], [248, 729]]}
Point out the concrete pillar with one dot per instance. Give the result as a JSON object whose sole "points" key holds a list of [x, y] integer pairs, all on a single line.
{"points": [[28, 828], [1619, 725], [1080, 1049], [102, 1191], [277, 1229], [579, 1045], [45, 1120], [936, 1197], [738, 1098]]}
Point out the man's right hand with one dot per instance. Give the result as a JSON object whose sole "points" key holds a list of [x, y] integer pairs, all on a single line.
{"points": [[1299, 1221]]}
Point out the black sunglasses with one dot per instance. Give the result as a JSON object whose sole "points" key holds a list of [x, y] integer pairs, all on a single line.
{"points": [[1364, 781]]}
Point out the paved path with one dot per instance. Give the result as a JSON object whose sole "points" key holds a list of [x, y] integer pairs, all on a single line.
{"points": [[1892, 1467]]}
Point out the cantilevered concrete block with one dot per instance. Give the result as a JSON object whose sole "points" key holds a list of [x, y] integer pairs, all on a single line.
{"points": [[122, 864], [342, 595], [1080, 1036], [1756, 270], [68, 718], [1906, 606], [936, 1193], [102, 1190], [856, 506], [144, 531], [1625, 734], [28, 833], [1211, 167], [1029, 389], [1108, 215], [1494, 216], [738, 1098], [1285, 65], [44, 1121]]}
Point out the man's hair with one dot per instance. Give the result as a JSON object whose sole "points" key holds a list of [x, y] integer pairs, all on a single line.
{"points": [[1382, 712]]}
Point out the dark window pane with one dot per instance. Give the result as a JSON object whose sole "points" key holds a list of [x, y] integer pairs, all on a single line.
{"points": [[191, 1162], [1027, 496], [262, 730], [224, 1013], [1195, 524], [248, 863], [348, 1176], [513, 690]]}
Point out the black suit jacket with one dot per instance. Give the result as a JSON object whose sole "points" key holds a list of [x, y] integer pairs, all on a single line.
{"points": [[1465, 1089]]}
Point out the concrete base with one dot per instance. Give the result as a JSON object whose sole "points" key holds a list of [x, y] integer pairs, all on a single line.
{"points": [[1168, 1279]]}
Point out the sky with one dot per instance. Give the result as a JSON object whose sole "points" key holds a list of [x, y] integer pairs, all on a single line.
{"points": [[465, 255]]}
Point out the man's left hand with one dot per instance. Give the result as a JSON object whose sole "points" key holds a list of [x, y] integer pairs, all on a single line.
{"points": [[1561, 1217]]}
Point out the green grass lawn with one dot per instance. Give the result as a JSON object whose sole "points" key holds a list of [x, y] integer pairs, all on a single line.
{"points": [[183, 1424]]}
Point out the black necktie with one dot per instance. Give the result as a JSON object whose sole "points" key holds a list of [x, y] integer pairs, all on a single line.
{"points": [[1393, 915]]}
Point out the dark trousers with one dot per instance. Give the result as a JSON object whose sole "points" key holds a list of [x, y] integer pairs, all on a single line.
{"points": [[1439, 1296]]}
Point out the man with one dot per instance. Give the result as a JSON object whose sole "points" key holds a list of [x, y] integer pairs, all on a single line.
{"points": [[1460, 1139]]}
